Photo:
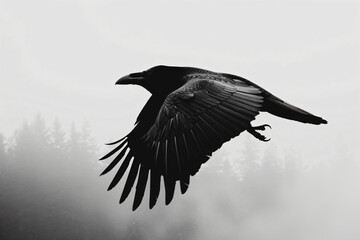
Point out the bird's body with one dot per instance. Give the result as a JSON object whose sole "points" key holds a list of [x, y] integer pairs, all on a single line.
{"points": [[190, 114]]}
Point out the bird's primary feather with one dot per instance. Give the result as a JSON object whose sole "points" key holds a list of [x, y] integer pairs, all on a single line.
{"points": [[190, 114]]}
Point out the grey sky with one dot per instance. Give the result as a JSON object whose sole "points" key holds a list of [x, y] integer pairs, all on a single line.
{"points": [[62, 58]]}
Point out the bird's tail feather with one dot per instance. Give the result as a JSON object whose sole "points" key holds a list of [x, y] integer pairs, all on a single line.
{"points": [[282, 109]]}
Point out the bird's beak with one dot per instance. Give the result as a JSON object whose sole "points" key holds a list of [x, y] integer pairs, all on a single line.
{"points": [[133, 78]]}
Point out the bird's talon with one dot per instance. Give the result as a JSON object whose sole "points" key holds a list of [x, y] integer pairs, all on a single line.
{"points": [[267, 125], [261, 127], [256, 134]]}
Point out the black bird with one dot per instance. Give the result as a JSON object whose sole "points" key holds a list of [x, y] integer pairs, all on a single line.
{"points": [[190, 114]]}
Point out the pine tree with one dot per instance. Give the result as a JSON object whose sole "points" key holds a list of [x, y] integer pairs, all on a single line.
{"points": [[57, 136], [40, 133], [22, 144], [87, 141], [251, 159]]}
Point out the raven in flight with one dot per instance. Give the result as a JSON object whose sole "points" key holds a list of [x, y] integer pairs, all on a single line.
{"points": [[190, 114]]}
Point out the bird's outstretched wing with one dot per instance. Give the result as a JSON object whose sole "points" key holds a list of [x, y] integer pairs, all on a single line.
{"points": [[193, 121]]}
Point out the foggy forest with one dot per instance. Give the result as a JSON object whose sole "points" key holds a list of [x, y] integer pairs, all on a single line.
{"points": [[51, 189], [59, 61]]}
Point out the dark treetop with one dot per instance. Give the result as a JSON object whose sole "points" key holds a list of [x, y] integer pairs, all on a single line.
{"points": [[190, 114]]}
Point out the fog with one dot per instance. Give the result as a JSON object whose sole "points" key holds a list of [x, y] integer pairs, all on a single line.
{"points": [[59, 61]]}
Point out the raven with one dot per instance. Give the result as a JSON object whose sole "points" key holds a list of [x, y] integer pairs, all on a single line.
{"points": [[189, 115]]}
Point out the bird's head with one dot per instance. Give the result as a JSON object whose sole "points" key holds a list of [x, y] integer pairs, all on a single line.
{"points": [[157, 79]]}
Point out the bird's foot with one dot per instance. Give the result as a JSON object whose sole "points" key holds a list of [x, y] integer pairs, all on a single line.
{"points": [[252, 131], [261, 127]]}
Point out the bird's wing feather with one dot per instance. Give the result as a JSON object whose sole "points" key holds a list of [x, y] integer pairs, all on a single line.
{"points": [[192, 122]]}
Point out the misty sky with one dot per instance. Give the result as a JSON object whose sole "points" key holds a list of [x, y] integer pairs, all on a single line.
{"points": [[62, 58]]}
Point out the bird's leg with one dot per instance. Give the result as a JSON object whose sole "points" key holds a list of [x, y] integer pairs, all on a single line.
{"points": [[252, 131], [261, 127]]}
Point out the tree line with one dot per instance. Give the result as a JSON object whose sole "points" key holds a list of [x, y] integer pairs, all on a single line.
{"points": [[50, 189]]}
